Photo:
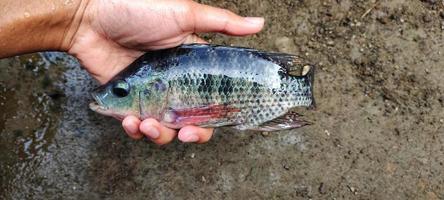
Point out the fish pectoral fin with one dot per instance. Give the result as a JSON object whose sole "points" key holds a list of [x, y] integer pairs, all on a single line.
{"points": [[288, 121], [203, 114]]}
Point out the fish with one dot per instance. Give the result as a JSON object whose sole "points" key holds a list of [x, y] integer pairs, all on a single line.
{"points": [[211, 86]]}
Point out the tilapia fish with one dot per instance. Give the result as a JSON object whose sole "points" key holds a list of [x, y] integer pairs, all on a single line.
{"points": [[210, 86]]}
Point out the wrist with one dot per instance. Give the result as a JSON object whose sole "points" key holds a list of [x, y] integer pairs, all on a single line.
{"points": [[29, 26], [77, 18]]}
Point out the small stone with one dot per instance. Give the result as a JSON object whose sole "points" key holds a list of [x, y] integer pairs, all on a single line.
{"points": [[265, 134], [322, 188], [285, 44], [383, 20], [426, 18], [327, 132], [286, 166], [352, 189]]}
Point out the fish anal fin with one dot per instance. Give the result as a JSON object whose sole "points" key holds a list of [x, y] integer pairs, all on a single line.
{"points": [[288, 121]]}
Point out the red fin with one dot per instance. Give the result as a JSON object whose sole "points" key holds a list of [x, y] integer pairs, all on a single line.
{"points": [[203, 114]]}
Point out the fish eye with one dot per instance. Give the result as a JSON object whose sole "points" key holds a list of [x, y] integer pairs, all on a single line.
{"points": [[121, 88]]}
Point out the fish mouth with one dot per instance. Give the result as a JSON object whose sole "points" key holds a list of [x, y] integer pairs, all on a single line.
{"points": [[98, 106], [94, 106]]}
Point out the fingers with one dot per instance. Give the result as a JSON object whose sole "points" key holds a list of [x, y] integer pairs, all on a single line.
{"points": [[159, 134], [195, 134], [211, 19], [131, 126]]}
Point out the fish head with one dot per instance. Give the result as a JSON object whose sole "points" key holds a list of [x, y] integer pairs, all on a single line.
{"points": [[118, 98]]}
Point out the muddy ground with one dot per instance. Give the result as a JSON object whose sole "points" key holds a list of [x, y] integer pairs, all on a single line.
{"points": [[377, 134]]}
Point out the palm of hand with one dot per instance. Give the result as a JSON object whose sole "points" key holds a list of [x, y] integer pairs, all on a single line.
{"points": [[115, 33]]}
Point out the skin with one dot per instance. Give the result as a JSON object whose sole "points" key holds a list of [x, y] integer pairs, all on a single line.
{"points": [[107, 35]]}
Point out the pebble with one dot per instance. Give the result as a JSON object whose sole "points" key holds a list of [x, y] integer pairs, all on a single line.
{"points": [[426, 18], [327, 132], [286, 166], [352, 189], [322, 188], [285, 44]]}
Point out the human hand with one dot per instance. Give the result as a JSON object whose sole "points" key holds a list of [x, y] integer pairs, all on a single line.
{"points": [[113, 33]]}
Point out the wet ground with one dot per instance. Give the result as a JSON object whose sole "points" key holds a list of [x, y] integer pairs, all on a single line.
{"points": [[378, 130]]}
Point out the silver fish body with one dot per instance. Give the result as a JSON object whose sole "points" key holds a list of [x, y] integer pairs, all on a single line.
{"points": [[211, 86]]}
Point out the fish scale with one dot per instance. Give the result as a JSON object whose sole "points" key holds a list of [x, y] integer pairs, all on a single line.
{"points": [[211, 86], [221, 89]]}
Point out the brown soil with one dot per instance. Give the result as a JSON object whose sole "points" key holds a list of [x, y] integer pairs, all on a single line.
{"points": [[377, 133]]}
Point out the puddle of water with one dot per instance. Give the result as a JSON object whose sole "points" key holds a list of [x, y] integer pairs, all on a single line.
{"points": [[48, 134], [30, 105]]}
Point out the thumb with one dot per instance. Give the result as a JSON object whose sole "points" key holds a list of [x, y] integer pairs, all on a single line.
{"points": [[211, 19]]}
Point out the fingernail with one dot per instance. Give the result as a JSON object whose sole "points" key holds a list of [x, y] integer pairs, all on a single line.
{"points": [[153, 133], [254, 20], [191, 138]]}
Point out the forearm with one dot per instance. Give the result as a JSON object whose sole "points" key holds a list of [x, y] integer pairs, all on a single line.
{"points": [[38, 25]]}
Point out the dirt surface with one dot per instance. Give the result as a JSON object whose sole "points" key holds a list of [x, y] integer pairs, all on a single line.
{"points": [[377, 134]]}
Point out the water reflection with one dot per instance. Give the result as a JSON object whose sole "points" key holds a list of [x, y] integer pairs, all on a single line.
{"points": [[30, 105]]}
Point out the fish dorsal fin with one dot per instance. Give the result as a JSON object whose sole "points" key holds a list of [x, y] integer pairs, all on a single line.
{"points": [[288, 121], [292, 64]]}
